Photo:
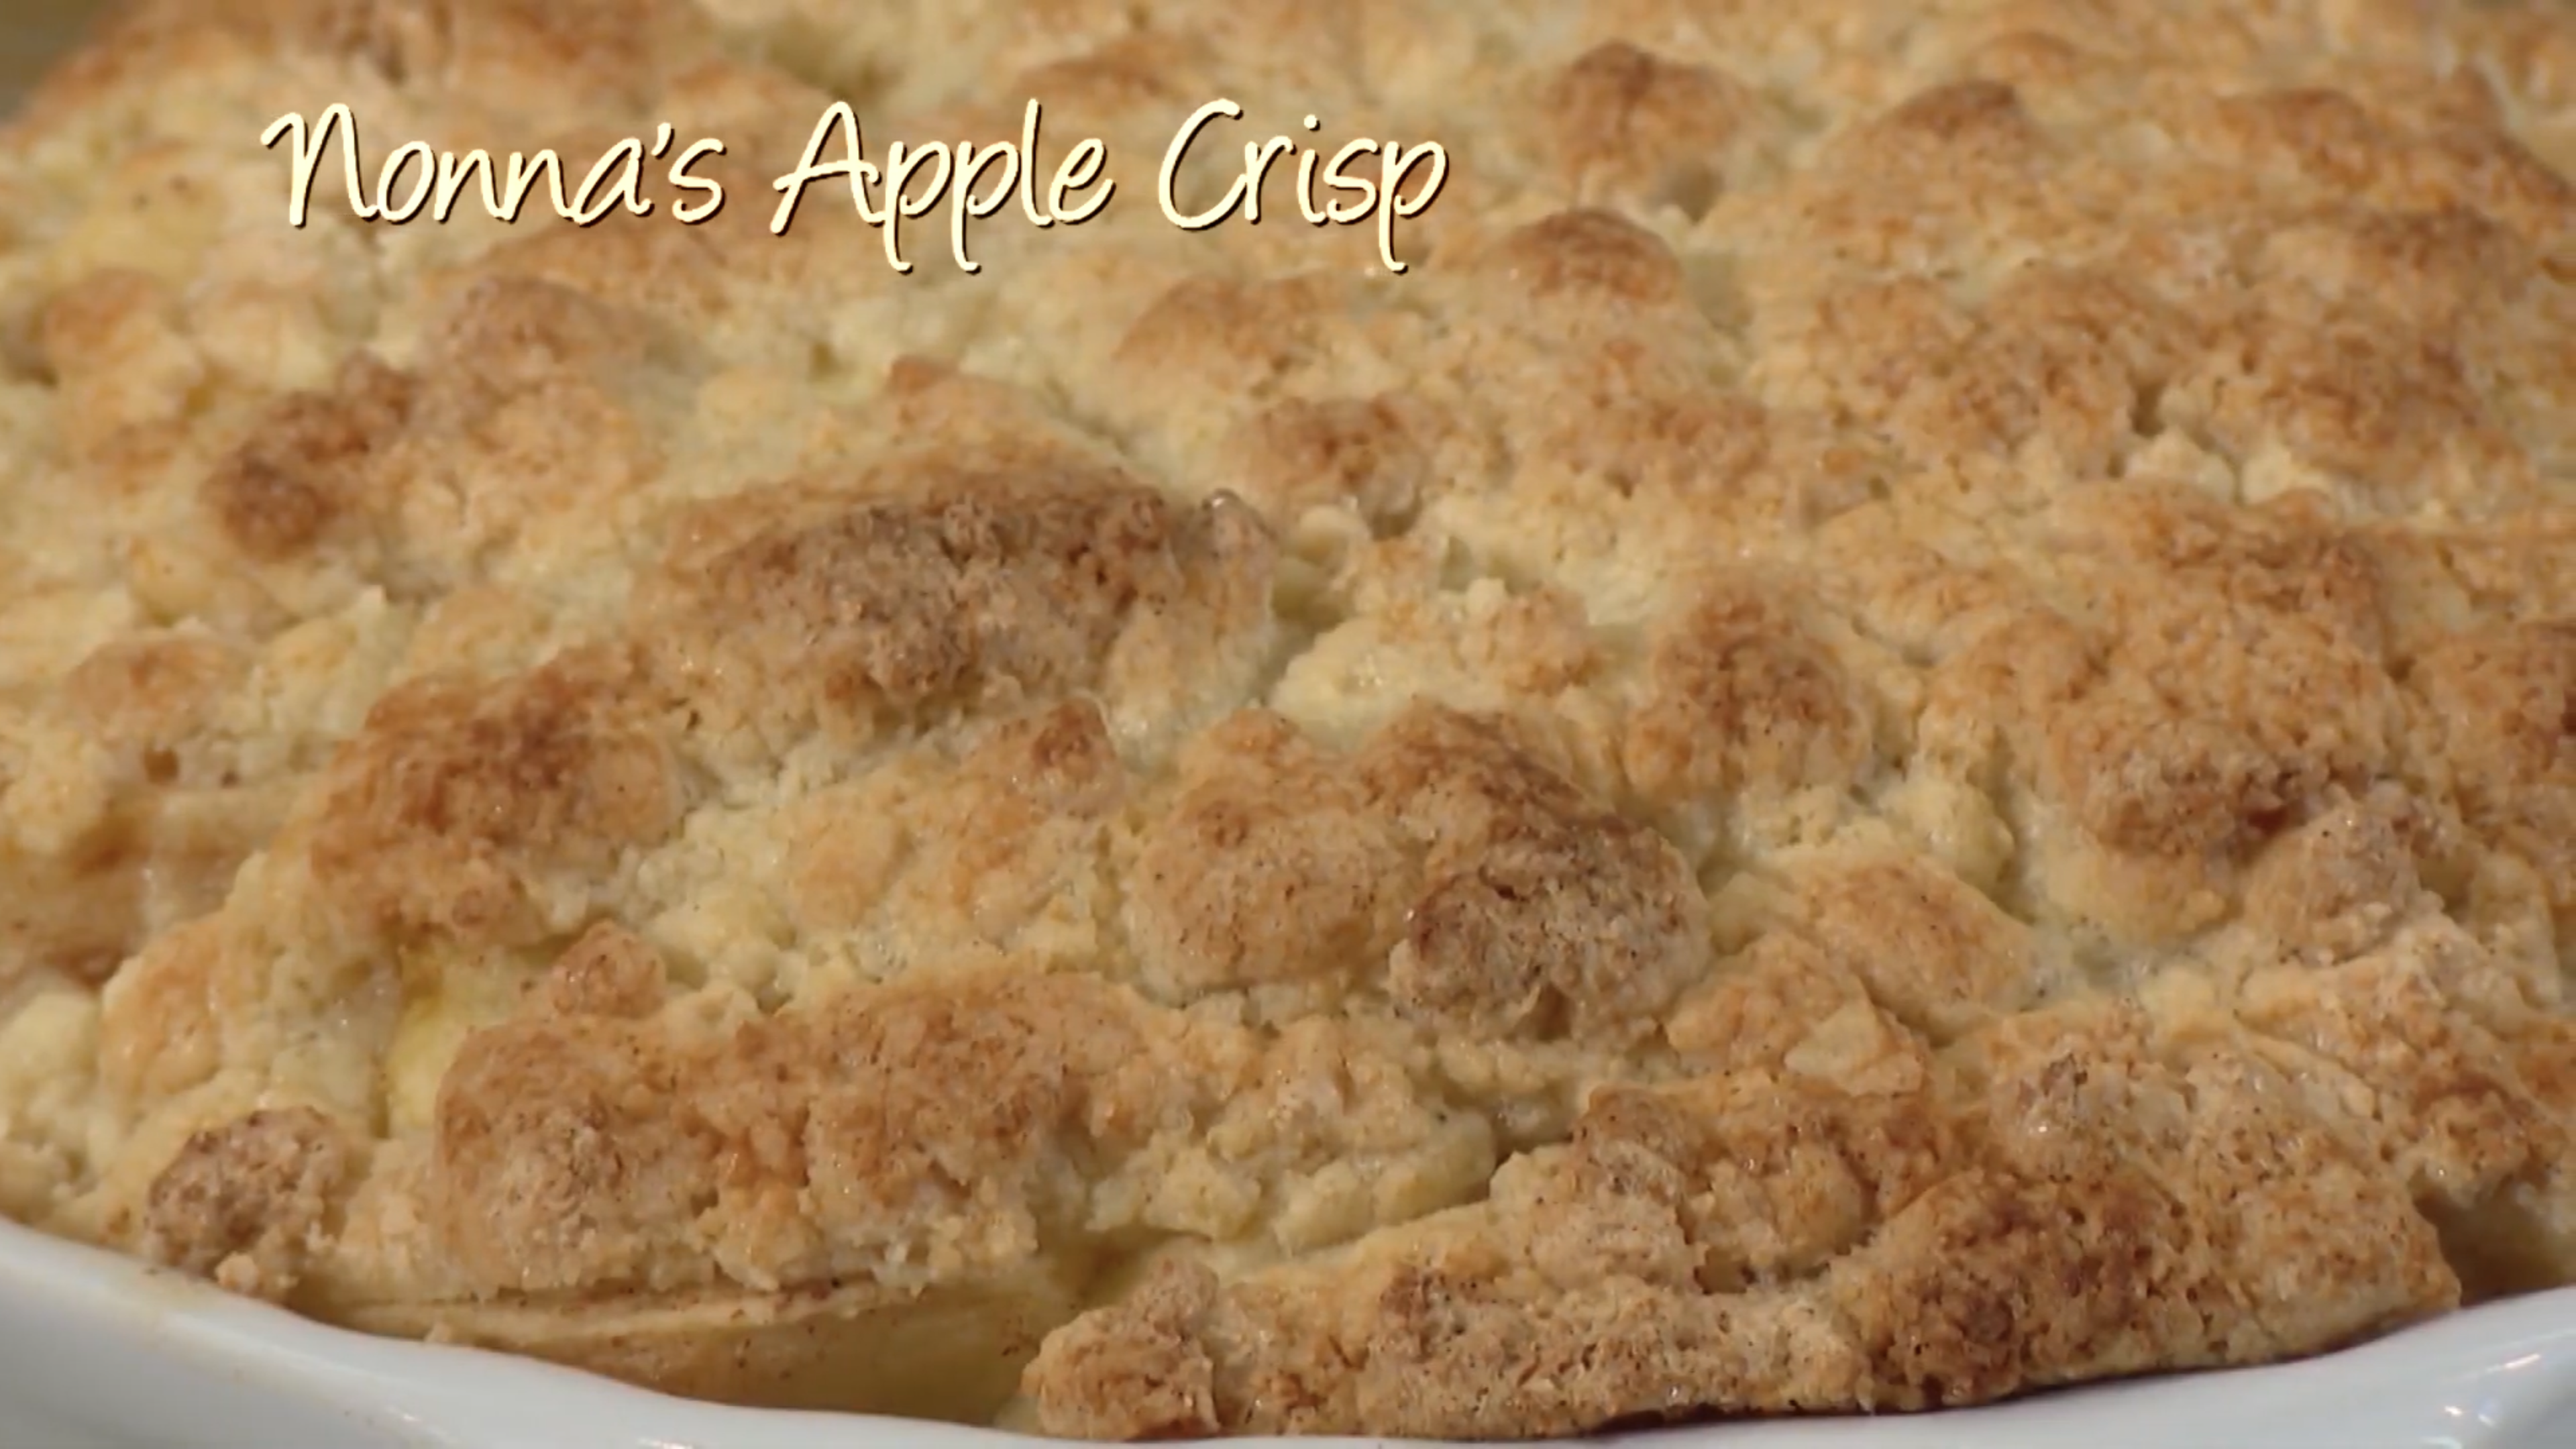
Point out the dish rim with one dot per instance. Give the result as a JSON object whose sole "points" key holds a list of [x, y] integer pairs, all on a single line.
{"points": [[2498, 1376]]}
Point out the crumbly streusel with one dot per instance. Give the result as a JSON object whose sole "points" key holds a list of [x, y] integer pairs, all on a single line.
{"points": [[1902, 728]]}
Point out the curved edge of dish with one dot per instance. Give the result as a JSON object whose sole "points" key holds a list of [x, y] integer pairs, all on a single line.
{"points": [[123, 1355]]}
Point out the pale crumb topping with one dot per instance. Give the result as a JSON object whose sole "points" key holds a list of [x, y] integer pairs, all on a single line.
{"points": [[1901, 728]]}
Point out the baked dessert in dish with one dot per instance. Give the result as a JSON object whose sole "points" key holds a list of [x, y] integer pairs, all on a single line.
{"points": [[1900, 727]]}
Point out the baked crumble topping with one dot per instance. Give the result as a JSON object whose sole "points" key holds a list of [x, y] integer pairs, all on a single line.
{"points": [[1900, 728]]}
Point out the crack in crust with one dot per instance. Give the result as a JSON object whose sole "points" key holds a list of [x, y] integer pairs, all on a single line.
{"points": [[1900, 729]]}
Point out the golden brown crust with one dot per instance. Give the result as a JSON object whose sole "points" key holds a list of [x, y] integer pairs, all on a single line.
{"points": [[1541, 914], [969, 589], [300, 469], [247, 1202], [1901, 728], [1650, 131], [444, 812]]}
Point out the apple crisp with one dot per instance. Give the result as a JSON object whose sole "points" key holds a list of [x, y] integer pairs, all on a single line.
{"points": [[1900, 726]]}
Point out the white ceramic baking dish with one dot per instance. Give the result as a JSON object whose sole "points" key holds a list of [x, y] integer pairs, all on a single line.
{"points": [[97, 1352]]}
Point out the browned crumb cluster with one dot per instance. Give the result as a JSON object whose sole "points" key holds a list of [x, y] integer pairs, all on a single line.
{"points": [[1902, 728]]}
